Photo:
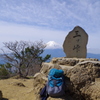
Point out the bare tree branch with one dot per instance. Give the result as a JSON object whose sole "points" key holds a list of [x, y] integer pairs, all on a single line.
{"points": [[24, 55]]}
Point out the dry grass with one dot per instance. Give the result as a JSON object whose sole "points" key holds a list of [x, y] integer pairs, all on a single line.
{"points": [[17, 89]]}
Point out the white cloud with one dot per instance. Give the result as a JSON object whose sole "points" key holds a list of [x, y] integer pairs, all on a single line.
{"points": [[55, 17], [51, 13], [12, 32]]}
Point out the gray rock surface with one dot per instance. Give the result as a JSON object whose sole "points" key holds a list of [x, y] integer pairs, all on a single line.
{"points": [[75, 43]]}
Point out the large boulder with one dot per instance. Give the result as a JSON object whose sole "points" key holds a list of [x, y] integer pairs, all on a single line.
{"points": [[84, 73], [92, 91], [80, 76], [83, 76]]}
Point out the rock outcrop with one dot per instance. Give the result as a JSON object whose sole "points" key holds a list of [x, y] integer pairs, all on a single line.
{"points": [[82, 78]]}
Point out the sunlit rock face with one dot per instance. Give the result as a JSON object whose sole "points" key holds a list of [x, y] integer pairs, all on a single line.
{"points": [[82, 76]]}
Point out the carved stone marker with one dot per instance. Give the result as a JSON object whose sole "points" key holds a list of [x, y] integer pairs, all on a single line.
{"points": [[75, 43]]}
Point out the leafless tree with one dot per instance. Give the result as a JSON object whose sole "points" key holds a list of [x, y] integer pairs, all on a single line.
{"points": [[24, 55]]}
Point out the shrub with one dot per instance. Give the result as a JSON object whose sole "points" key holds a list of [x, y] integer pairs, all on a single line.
{"points": [[4, 73]]}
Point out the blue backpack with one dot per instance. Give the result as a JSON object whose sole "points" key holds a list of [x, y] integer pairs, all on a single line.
{"points": [[56, 83]]}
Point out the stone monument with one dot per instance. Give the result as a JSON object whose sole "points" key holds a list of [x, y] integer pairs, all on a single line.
{"points": [[75, 43]]}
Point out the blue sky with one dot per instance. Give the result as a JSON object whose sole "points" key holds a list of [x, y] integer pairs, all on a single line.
{"points": [[49, 20]]}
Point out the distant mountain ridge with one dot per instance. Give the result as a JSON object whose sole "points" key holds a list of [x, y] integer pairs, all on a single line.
{"points": [[60, 53], [2, 61], [53, 45], [56, 50]]}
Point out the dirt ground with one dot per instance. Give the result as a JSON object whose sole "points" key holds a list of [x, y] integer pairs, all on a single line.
{"points": [[17, 89], [22, 89]]}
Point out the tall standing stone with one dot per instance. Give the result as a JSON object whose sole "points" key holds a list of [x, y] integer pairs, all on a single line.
{"points": [[75, 43]]}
